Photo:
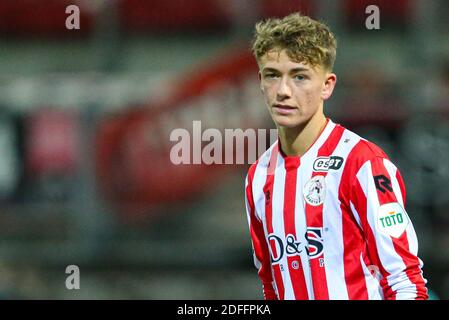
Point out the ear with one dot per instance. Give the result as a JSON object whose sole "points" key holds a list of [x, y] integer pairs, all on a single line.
{"points": [[329, 85], [260, 81]]}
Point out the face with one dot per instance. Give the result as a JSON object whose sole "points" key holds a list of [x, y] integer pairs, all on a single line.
{"points": [[294, 92]]}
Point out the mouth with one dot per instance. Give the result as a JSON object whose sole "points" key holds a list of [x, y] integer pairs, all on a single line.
{"points": [[283, 109]]}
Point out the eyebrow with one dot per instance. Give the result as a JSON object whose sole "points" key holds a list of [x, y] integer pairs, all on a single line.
{"points": [[294, 70]]}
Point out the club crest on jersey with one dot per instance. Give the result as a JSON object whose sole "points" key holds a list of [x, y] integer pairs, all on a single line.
{"points": [[324, 164], [315, 191], [392, 219]]}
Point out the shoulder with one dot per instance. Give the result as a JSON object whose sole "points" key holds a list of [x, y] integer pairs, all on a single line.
{"points": [[361, 156], [359, 153], [363, 150]]}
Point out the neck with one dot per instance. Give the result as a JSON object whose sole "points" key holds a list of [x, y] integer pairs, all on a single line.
{"points": [[296, 141]]}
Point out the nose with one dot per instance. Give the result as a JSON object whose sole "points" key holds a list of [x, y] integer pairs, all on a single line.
{"points": [[283, 90]]}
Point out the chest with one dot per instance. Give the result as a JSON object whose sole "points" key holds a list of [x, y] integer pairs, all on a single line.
{"points": [[298, 202]]}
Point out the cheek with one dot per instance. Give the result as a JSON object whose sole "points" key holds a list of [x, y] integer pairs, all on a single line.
{"points": [[314, 94], [309, 97], [305, 95], [268, 92]]}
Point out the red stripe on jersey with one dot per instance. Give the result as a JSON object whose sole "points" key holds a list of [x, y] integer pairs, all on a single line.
{"points": [[268, 192], [360, 202], [259, 242], [386, 194], [296, 274], [314, 216], [353, 248], [353, 235]]}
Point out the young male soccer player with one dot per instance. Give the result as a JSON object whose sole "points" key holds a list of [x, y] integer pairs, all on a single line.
{"points": [[326, 208]]}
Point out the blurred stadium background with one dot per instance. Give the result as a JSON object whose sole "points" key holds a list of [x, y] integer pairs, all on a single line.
{"points": [[85, 119]]}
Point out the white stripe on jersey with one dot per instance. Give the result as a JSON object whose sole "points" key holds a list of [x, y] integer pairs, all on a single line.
{"points": [[356, 215]]}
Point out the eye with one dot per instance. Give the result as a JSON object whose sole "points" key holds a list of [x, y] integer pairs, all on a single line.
{"points": [[299, 77], [270, 75]]}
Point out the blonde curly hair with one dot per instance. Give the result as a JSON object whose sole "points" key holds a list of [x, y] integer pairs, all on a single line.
{"points": [[304, 39]]}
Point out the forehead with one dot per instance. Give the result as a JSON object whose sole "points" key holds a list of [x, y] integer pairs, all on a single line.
{"points": [[279, 59]]}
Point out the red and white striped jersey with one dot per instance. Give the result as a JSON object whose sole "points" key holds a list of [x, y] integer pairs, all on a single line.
{"points": [[332, 224]]}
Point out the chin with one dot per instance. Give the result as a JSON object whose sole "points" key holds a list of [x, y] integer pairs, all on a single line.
{"points": [[286, 122]]}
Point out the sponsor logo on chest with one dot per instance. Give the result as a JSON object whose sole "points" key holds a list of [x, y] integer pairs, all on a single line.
{"points": [[291, 246], [324, 164]]}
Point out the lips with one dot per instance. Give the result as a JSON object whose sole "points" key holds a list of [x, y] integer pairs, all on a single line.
{"points": [[283, 109], [283, 106]]}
